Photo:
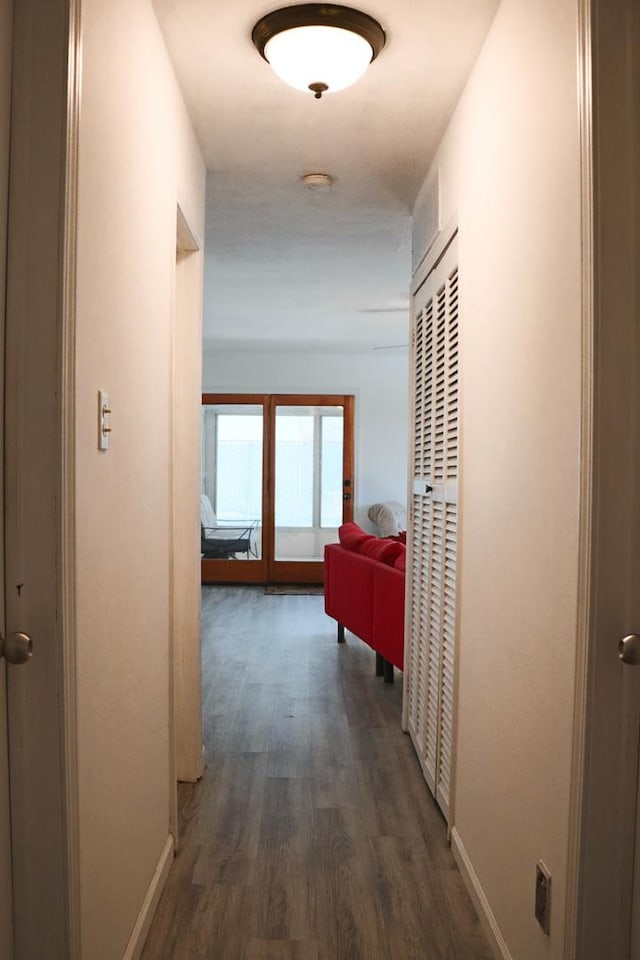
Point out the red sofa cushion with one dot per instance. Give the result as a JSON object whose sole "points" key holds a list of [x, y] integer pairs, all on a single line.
{"points": [[381, 549], [400, 562], [351, 536], [384, 549]]}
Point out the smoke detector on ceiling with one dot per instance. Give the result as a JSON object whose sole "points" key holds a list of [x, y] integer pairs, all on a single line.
{"points": [[317, 181]]}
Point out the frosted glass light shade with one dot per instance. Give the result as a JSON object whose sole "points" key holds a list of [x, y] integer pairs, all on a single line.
{"points": [[322, 47], [316, 54]]}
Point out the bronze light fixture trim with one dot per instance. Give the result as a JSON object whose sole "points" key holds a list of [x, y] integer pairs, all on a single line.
{"points": [[317, 15]]}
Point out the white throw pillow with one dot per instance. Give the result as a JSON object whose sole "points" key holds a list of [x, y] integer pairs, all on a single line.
{"points": [[390, 517]]}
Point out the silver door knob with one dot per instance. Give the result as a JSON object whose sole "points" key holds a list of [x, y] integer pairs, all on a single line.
{"points": [[17, 648], [629, 649]]}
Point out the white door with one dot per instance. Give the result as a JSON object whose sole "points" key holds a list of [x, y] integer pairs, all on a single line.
{"points": [[431, 595], [38, 475], [609, 690], [6, 920]]}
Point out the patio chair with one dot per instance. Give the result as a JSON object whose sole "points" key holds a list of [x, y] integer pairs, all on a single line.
{"points": [[219, 541]]}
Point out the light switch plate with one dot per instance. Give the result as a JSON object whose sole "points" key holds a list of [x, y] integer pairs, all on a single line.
{"points": [[104, 420]]}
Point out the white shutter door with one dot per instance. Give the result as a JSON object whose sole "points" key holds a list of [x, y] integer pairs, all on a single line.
{"points": [[432, 570]]}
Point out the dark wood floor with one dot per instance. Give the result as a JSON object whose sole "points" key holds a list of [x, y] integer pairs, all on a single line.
{"points": [[312, 835]]}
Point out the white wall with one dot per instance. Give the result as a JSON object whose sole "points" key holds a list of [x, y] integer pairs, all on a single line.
{"points": [[138, 159], [510, 171], [378, 381]]}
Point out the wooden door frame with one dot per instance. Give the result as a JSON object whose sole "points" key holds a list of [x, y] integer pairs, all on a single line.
{"points": [[295, 571], [604, 785], [266, 570], [242, 571]]}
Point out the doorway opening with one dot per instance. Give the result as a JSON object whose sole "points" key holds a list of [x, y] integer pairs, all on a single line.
{"points": [[277, 482]]}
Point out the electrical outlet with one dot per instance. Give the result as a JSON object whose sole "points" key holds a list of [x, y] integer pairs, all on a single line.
{"points": [[543, 896]]}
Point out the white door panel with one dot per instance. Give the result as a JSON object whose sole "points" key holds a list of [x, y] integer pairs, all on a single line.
{"points": [[432, 571], [6, 919], [608, 914], [37, 477]]}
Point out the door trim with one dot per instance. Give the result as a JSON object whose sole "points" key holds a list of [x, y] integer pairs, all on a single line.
{"points": [[585, 548], [586, 477], [67, 480], [186, 752]]}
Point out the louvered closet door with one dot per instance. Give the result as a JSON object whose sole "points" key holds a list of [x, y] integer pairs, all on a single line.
{"points": [[434, 504]]}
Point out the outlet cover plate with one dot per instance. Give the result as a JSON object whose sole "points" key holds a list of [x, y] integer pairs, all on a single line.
{"points": [[543, 896]]}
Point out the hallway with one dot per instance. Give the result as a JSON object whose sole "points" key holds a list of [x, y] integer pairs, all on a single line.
{"points": [[312, 835]]}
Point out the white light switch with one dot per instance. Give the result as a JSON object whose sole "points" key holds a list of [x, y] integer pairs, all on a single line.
{"points": [[104, 420]]}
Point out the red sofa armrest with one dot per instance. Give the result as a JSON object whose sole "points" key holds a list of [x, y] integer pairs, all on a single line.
{"points": [[348, 590], [388, 614]]}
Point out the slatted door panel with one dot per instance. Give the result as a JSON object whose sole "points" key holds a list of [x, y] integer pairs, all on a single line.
{"points": [[452, 386], [421, 510], [419, 585], [439, 432], [419, 412], [447, 665], [431, 621], [434, 648]]}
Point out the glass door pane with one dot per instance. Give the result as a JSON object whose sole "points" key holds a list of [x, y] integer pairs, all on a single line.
{"points": [[231, 497], [308, 480]]}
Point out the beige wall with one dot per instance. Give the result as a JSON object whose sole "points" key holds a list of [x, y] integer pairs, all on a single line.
{"points": [[509, 164], [138, 159]]}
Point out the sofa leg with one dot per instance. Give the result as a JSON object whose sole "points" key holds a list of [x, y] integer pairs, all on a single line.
{"points": [[379, 664], [340, 633], [388, 672]]}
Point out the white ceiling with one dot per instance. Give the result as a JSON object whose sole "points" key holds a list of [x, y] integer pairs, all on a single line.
{"points": [[287, 267]]}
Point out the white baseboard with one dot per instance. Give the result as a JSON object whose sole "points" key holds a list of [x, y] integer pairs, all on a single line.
{"points": [[480, 902], [150, 902]]}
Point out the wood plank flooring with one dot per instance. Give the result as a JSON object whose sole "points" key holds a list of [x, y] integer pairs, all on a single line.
{"points": [[312, 835]]}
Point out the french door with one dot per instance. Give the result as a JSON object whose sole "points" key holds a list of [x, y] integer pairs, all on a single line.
{"points": [[277, 482]]}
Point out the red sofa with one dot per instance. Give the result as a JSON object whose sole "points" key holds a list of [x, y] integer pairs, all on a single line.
{"points": [[364, 591]]}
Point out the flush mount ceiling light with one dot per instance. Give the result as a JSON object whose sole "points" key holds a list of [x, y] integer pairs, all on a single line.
{"points": [[320, 47]]}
